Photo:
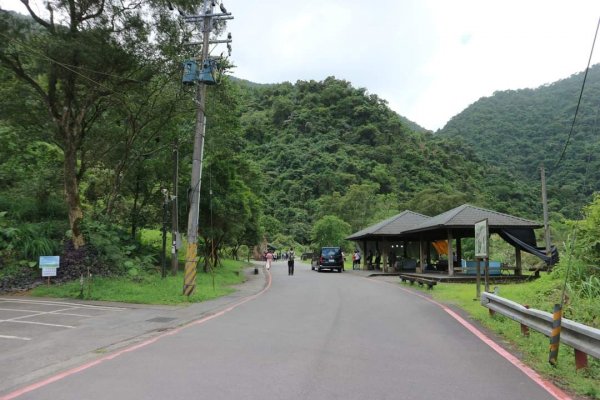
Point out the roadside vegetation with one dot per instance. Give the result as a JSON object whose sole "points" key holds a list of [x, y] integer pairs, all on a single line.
{"points": [[141, 281], [150, 288]]}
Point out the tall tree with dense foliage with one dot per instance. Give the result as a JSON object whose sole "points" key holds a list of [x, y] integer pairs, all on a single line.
{"points": [[78, 58], [329, 231]]}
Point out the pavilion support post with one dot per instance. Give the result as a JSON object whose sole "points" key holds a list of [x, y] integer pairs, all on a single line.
{"points": [[428, 252], [450, 254], [421, 268], [458, 250], [377, 251], [518, 264], [385, 249], [364, 256]]}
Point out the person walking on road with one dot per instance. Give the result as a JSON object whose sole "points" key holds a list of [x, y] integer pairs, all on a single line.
{"points": [[356, 264], [269, 259], [291, 262]]}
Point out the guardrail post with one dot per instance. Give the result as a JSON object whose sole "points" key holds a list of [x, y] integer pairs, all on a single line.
{"points": [[525, 328], [580, 359], [555, 334]]}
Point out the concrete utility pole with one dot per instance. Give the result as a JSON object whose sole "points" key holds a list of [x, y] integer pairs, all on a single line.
{"points": [[191, 260]]}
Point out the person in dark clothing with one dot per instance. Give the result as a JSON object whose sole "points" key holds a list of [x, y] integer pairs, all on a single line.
{"points": [[291, 262]]}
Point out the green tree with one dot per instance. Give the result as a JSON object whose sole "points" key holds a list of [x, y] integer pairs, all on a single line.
{"points": [[358, 205], [79, 58], [230, 207], [329, 231], [588, 240]]}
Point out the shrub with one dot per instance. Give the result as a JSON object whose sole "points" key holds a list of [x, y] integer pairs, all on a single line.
{"points": [[115, 248]]}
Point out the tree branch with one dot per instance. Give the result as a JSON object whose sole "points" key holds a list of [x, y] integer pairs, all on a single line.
{"points": [[94, 15], [47, 25], [17, 68]]}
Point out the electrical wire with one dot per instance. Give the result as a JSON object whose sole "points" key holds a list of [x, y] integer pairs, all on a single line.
{"points": [[576, 226], [65, 66], [578, 101], [574, 231], [72, 68]]}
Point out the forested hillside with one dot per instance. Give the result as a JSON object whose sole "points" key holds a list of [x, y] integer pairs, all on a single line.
{"points": [[521, 129], [327, 148], [87, 145]]}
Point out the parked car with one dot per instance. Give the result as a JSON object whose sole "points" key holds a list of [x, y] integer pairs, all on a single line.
{"points": [[330, 258]]}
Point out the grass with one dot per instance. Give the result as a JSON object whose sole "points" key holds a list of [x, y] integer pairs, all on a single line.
{"points": [[151, 288], [533, 350]]}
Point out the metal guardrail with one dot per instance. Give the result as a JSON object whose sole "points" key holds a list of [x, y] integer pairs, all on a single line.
{"points": [[581, 337]]}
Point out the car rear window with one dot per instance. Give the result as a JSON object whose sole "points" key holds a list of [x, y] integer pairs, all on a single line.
{"points": [[330, 251]]}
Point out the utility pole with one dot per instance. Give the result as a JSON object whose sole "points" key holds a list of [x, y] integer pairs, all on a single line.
{"points": [[163, 255], [191, 259], [175, 211], [545, 207]]}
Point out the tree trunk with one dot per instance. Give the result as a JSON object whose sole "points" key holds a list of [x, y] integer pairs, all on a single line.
{"points": [[72, 194], [134, 210]]}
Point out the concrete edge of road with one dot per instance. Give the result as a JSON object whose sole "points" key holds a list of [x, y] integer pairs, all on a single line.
{"points": [[186, 315]]}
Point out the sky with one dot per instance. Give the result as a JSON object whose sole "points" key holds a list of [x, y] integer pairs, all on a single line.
{"points": [[429, 59]]}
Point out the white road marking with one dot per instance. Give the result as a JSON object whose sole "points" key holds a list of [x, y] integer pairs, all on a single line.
{"points": [[37, 323], [11, 300], [72, 314], [57, 312], [17, 310], [35, 313], [14, 337]]}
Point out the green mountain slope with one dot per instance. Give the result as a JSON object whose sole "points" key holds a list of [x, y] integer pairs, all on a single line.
{"points": [[521, 129], [329, 148]]}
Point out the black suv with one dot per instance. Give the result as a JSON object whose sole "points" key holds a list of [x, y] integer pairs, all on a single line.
{"points": [[330, 258]]}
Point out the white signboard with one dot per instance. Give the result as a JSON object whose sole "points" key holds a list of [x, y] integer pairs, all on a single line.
{"points": [[49, 265], [48, 271], [481, 239]]}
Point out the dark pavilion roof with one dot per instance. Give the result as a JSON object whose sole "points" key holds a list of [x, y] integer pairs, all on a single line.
{"points": [[392, 226], [466, 216], [462, 221]]}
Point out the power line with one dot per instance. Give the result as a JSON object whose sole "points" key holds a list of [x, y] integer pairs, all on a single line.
{"points": [[70, 67], [578, 101], [65, 66]]}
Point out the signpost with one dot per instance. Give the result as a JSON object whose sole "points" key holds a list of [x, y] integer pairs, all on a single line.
{"points": [[482, 250], [49, 265]]}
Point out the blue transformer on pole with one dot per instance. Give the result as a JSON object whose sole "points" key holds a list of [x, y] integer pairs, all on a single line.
{"points": [[190, 72], [208, 72], [206, 75]]}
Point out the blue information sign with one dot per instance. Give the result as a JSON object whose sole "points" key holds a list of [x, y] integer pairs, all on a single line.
{"points": [[49, 265]]}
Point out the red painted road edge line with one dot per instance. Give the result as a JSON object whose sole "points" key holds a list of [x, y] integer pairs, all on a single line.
{"points": [[534, 376], [72, 371]]}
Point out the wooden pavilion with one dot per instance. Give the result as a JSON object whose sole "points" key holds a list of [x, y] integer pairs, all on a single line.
{"points": [[406, 239]]}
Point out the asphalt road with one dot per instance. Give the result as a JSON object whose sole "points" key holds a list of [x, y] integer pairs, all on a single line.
{"points": [[308, 336]]}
